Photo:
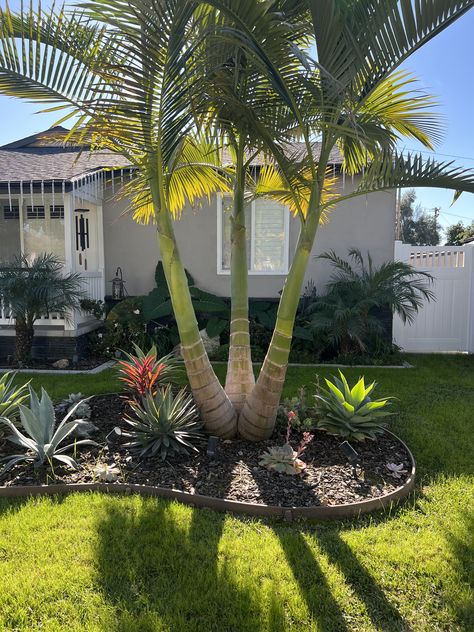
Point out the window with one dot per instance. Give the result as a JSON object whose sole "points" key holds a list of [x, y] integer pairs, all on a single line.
{"points": [[11, 212], [10, 241], [56, 212], [267, 236], [35, 212]]}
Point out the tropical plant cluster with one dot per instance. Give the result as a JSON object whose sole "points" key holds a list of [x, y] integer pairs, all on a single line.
{"points": [[171, 85]]}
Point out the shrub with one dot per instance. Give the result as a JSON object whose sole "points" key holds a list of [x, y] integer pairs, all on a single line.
{"points": [[164, 423], [43, 439], [355, 313], [351, 413], [11, 396], [143, 373]]}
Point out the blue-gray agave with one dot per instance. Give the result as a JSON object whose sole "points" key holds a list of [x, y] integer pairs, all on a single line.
{"points": [[42, 438]]}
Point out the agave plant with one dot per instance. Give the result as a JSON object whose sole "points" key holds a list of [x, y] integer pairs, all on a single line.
{"points": [[82, 409], [143, 373], [164, 423], [42, 438], [351, 413], [11, 396]]}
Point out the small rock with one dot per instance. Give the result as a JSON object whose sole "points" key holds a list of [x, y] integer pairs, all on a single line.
{"points": [[85, 430], [61, 364]]}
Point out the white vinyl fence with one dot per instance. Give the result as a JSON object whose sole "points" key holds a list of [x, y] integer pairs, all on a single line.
{"points": [[447, 324]]}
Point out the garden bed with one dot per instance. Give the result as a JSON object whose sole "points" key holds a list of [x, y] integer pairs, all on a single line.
{"points": [[234, 473]]}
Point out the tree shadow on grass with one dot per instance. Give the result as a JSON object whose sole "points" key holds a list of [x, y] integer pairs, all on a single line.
{"points": [[312, 582], [383, 614], [462, 548], [316, 591], [161, 569]]}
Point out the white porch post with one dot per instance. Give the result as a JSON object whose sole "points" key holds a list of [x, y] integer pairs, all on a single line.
{"points": [[101, 247], [70, 260]]}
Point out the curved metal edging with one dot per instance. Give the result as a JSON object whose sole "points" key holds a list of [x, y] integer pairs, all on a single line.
{"points": [[327, 512]]}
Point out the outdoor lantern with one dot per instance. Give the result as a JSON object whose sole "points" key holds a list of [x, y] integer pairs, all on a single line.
{"points": [[118, 285]]}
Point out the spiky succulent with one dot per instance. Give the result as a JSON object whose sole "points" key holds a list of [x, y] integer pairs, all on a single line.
{"points": [[82, 409], [11, 396], [42, 439], [164, 423], [351, 413], [282, 459]]}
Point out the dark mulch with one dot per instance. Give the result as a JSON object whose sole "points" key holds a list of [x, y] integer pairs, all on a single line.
{"points": [[235, 472]]}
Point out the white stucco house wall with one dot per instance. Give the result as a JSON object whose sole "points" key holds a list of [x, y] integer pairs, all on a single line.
{"points": [[64, 200]]}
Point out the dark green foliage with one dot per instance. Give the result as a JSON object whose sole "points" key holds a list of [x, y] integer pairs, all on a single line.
{"points": [[164, 424], [458, 234], [355, 313], [96, 308], [418, 227]]}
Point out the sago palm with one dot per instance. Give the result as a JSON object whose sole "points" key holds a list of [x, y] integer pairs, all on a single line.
{"points": [[354, 98], [127, 73]]}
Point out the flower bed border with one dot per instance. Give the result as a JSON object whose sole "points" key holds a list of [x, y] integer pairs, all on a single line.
{"points": [[326, 512]]}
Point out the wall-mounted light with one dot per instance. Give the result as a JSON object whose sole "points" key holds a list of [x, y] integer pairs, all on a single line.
{"points": [[118, 285]]}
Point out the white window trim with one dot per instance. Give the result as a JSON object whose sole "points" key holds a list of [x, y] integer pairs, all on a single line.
{"points": [[222, 272]]}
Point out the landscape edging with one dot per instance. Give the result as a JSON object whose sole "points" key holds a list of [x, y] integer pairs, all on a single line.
{"points": [[325, 512]]}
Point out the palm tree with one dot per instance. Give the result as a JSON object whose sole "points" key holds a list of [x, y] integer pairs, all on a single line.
{"points": [[242, 105], [33, 288], [354, 98], [356, 292], [128, 74]]}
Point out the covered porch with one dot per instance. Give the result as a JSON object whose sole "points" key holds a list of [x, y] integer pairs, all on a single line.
{"points": [[60, 217]]}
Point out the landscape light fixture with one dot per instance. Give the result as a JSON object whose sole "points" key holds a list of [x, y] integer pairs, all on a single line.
{"points": [[212, 444], [351, 455]]}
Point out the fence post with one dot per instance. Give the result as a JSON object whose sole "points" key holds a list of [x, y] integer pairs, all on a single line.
{"points": [[469, 254]]}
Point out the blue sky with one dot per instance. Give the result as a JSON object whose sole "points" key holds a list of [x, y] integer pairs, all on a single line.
{"points": [[444, 67]]}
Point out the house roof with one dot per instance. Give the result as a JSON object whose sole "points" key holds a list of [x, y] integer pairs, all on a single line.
{"points": [[45, 157]]}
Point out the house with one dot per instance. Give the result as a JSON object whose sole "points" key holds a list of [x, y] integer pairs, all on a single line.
{"points": [[63, 199]]}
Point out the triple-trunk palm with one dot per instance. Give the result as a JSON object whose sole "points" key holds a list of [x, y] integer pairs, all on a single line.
{"points": [[136, 78]]}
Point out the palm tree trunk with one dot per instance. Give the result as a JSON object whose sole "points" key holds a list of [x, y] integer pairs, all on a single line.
{"points": [[257, 418], [218, 415], [24, 333], [240, 378]]}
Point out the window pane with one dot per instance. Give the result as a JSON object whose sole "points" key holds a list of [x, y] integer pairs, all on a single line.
{"points": [[269, 238], [227, 202], [43, 233], [10, 243]]}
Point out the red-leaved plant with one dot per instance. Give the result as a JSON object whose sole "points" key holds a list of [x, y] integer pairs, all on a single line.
{"points": [[143, 373]]}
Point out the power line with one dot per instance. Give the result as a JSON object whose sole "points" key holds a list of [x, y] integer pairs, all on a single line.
{"points": [[436, 153], [458, 216]]}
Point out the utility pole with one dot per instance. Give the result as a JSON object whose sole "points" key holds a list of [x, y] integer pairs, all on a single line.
{"points": [[436, 211]]}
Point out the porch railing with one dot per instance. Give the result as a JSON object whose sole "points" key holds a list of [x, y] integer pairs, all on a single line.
{"points": [[93, 285]]}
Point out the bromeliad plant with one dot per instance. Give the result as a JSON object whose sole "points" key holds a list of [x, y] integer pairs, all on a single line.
{"points": [[350, 412], [164, 424], [143, 373], [42, 439], [11, 396]]}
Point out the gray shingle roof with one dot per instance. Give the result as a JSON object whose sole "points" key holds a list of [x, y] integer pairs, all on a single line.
{"points": [[58, 163], [39, 158]]}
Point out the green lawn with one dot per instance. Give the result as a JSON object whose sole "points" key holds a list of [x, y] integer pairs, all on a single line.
{"points": [[92, 562]]}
